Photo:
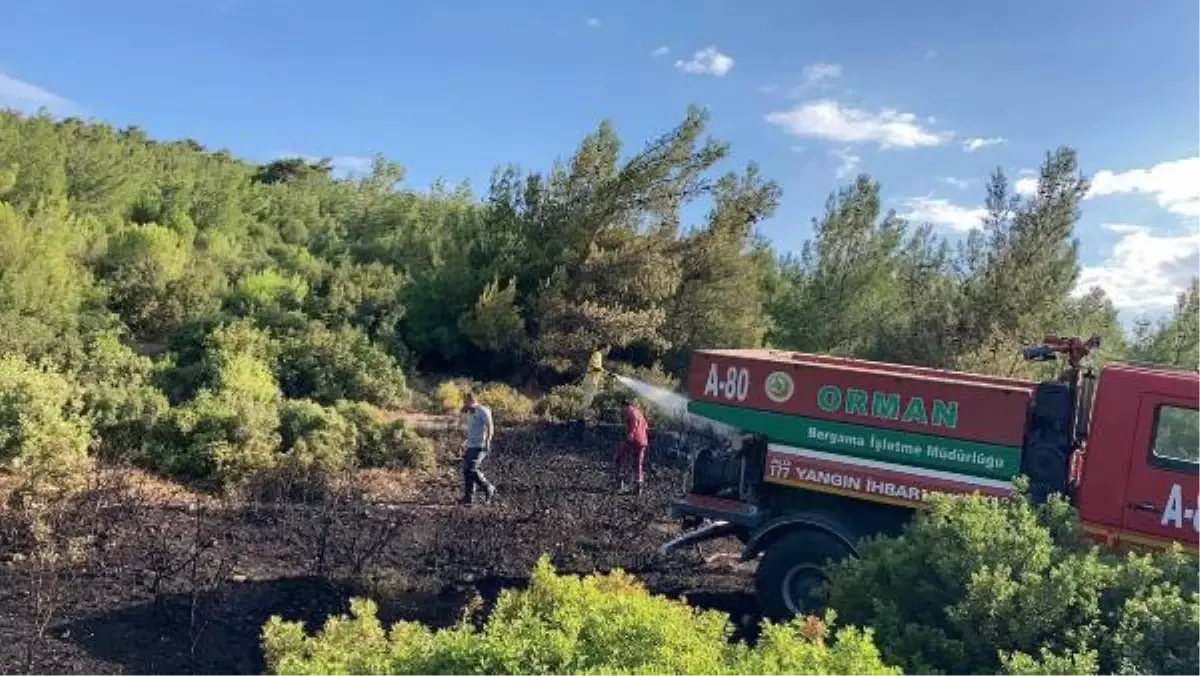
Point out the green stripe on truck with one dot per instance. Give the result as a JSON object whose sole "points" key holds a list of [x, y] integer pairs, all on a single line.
{"points": [[972, 458]]}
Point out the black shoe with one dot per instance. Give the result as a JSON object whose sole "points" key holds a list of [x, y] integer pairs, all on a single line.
{"points": [[637, 490]]}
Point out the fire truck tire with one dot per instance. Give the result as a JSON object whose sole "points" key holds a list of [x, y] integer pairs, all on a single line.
{"points": [[791, 573]]}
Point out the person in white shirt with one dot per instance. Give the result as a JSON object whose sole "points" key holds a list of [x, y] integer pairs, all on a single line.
{"points": [[476, 447]]}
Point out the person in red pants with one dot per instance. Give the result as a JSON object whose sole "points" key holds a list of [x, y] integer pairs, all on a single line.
{"points": [[632, 450]]}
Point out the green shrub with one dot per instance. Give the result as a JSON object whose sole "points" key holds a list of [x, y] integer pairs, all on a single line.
{"points": [[411, 449], [266, 291], [1049, 663], [568, 625], [507, 404], [141, 269], [420, 401], [122, 405], [326, 366], [229, 432], [317, 442], [978, 585], [379, 442], [44, 435], [365, 296], [200, 349], [448, 397], [561, 403], [653, 375]]}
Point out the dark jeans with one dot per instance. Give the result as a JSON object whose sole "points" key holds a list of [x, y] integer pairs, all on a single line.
{"points": [[472, 477]]}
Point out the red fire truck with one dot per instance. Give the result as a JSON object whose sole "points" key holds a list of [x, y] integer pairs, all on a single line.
{"points": [[828, 450]]}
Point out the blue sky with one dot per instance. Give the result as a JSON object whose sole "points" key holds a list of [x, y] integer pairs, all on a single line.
{"points": [[926, 96]]}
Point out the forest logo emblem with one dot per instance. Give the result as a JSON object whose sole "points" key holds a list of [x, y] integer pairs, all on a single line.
{"points": [[779, 387]]}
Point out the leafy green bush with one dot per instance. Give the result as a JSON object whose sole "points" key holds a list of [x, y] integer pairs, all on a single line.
{"points": [[411, 449], [267, 290], [318, 442], [229, 432], [200, 349], [123, 406], [653, 375], [138, 268], [560, 403], [568, 625], [448, 397], [978, 585], [44, 435], [506, 403], [379, 442], [365, 296], [326, 366], [495, 323]]}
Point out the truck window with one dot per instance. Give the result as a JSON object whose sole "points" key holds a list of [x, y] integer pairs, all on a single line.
{"points": [[1176, 442]]}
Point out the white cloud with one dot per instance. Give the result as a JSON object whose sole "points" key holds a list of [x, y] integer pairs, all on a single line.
{"points": [[593, 22], [819, 72], [1026, 185], [661, 51], [972, 144], [931, 54], [1144, 271], [1175, 184], [814, 76], [27, 97], [942, 212], [960, 183], [1123, 228], [848, 162], [827, 119], [707, 61]]}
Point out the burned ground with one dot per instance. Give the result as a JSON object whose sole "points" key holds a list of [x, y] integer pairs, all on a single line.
{"points": [[171, 586]]}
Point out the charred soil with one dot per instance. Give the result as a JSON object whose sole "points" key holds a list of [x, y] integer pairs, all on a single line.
{"points": [[171, 585]]}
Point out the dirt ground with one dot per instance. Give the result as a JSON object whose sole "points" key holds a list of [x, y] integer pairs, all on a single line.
{"points": [[176, 584]]}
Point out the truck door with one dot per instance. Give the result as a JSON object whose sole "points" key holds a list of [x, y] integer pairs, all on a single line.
{"points": [[1164, 474]]}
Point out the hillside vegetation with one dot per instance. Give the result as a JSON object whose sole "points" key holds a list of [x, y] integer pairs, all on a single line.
{"points": [[197, 313], [260, 330]]}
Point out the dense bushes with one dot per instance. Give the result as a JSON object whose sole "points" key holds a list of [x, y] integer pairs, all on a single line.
{"points": [[317, 442], [561, 403], [328, 365], [506, 403], [448, 397], [227, 433], [119, 397], [978, 586], [379, 442], [44, 435], [568, 625]]}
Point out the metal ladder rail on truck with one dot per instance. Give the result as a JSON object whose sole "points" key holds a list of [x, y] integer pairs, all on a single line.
{"points": [[830, 450]]}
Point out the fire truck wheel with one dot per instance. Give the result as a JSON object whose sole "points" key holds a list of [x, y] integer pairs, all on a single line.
{"points": [[791, 573]]}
